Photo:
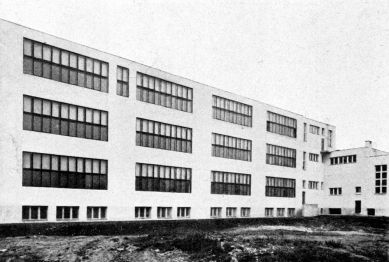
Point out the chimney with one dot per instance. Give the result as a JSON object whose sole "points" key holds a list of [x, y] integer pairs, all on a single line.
{"points": [[368, 143]]}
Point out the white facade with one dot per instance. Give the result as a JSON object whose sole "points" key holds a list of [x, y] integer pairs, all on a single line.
{"points": [[121, 197]]}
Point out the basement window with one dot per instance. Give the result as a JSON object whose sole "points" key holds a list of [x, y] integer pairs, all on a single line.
{"points": [[34, 213]]}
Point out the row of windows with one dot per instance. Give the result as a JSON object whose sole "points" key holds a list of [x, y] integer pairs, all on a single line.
{"points": [[122, 85], [280, 187], [59, 118], [163, 178], [232, 111], [216, 212], [280, 156], [231, 147], [46, 170], [282, 125], [313, 157], [230, 183], [63, 213], [157, 91], [269, 212], [61, 65], [381, 179], [343, 160]]}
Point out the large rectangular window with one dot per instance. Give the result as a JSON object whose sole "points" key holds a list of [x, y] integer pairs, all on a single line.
{"points": [[122, 81], [343, 160], [163, 178], [45, 170], [381, 179], [34, 212], [64, 66], [160, 92], [280, 156], [47, 116], [163, 136], [231, 147], [232, 111], [230, 183], [282, 125], [67, 213], [280, 187]]}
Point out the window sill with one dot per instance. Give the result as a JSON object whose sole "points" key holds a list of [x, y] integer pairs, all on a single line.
{"points": [[380, 194], [96, 219], [67, 219], [34, 220], [143, 218], [182, 217]]}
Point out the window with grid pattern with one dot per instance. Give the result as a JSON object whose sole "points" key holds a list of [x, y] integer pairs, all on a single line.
{"points": [[160, 92], [64, 66], [313, 185], [313, 157], [164, 212], [280, 187], [67, 213], [269, 212], [160, 178], [231, 211], [46, 170], [381, 179], [343, 160], [231, 147], [183, 212], [280, 156], [47, 116], [230, 183], [334, 191], [245, 212], [314, 129], [142, 212], [163, 136], [96, 213], [232, 111], [34, 212], [216, 212], [122, 85], [281, 125]]}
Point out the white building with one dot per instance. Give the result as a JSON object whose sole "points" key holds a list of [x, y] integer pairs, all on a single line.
{"points": [[86, 135]]}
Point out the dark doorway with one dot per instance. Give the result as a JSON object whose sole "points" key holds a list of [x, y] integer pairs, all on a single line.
{"points": [[303, 197], [358, 205], [371, 212]]}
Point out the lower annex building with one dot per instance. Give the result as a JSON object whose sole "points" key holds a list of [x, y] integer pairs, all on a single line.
{"points": [[86, 135]]}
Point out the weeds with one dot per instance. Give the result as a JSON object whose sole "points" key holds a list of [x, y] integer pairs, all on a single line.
{"points": [[334, 244]]}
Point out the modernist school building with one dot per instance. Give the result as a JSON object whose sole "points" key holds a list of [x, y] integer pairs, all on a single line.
{"points": [[86, 135]]}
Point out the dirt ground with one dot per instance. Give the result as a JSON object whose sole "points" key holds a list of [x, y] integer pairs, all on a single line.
{"points": [[318, 239]]}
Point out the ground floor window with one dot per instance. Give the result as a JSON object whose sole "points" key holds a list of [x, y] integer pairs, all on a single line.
{"points": [[245, 212], [269, 212], [34, 212], [216, 211], [280, 212], [371, 212], [67, 213], [142, 212], [291, 212], [183, 212], [231, 211], [96, 213], [164, 212], [335, 191], [335, 211]]}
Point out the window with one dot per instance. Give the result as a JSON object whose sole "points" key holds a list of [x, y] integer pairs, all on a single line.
{"points": [[163, 136], [371, 212], [159, 178], [230, 183], [305, 132], [269, 212], [64, 66], [245, 212], [280, 212], [343, 160], [322, 131], [280, 187], [330, 138], [313, 157], [303, 183], [46, 170], [381, 178], [335, 211], [282, 125], [358, 190], [142, 212], [322, 185], [216, 212], [232, 111], [280, 156], [67, 213], [164, 212], [47, 116], [122, 81], [183, 212], [314, 129], [231, 147], [231, 211], [291, 212], [304, 157], [313, 185], [335, 191], [160, 92], [34, 212], [96, 213]]}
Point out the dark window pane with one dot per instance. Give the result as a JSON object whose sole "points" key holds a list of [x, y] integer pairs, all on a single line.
{"points": [[72, 180], [104, 133], [46, 179], [64, 127], [59, 212], [27, 121], [27, 177], [88, 131], [46, 70], [72, 129], [25, 212], [96, 182], [46, 124], [38, 68], [96, 132], [81, 79], [88, 181], [56, 74], [65, 75], [73, 77], [43, 212], [34, 212], [81, 181], [81, 130], [63, 180], [54, 179]]}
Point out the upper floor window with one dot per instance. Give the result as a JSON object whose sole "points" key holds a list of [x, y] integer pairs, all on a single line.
{"points": [[231, 147], [64, 66], [122, 81], [330, 138], [313, 185], [381, 179], [230, 183], [282, 125], [160, 92], [232, 111], [335, 191], [280, 156], [280, 187], [343, 160], [313, 157], [43, 115], [163, 136], [314, 129]]}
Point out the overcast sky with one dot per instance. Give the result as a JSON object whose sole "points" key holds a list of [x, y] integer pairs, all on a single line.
{"points": [[326, 60]]}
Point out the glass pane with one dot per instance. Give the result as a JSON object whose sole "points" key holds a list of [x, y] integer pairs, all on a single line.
{"points": [[73, 112], [96, 67], [104, 69], [47, 53], [81, 63], [26, 160], [46, 107], [36, 161], [37, 106], [27, 47], [64, 111], [37, 50], [89, 65], [27, 103], [73, 60], [65, 58], [81, 114], [104, 118], [56, 53]]}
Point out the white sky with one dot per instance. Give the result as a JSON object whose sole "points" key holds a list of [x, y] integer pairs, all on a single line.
{"points": [[327, 60]]}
